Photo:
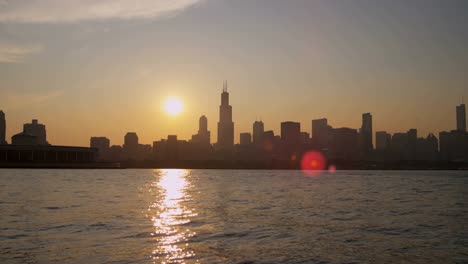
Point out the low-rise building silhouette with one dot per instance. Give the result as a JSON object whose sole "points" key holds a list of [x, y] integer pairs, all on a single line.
{"points": [[102, 144], [38, 130], [24, 139]]}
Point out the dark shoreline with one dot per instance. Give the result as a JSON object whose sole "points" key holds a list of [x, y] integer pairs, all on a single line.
{"points": [[230, 165]]}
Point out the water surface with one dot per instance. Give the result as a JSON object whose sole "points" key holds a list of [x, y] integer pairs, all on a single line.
{"points": [[232, 216]]}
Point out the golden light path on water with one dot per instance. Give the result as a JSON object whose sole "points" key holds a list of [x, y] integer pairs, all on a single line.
{"points": [[169, 216]]}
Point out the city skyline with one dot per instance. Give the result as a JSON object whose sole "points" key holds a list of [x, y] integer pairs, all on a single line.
{"points": [[403, 62], [291, 131], [225, 115]]}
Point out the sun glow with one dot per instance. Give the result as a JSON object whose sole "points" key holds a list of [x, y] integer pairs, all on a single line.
{"points": [[173, 106]]}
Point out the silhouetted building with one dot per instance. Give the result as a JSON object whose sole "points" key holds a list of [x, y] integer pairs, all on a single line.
{"points": [[171, 149], [427, 148], [225, 124], [321, 133], [366, 134], [130, 147], [245, 139], [258, 129], [48, 156], [461, 118], [116, 153], [2, 128], [382, 140], [344, 144], [305, 138], [24, 139], [404, 145], [203, 136], [102, 144], [453, 145], [37, 130], [269, 140], [412, 143], [291, 133]]}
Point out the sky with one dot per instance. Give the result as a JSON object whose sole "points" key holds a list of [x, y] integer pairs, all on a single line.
{"points": [[105, 67]]}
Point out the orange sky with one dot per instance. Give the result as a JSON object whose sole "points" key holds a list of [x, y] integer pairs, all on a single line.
{"points": [[103, 74]]}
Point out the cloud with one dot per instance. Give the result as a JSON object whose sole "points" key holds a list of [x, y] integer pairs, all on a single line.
{"points": [[14, 54], [56, 11]]}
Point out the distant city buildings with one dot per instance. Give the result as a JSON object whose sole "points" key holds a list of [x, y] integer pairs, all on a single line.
{"points": [[30, 148], [225, 124], [2, 128], [261, 146]]}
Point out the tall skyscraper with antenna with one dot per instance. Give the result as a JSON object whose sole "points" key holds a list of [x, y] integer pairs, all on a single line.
{"points": [[225, 124]]}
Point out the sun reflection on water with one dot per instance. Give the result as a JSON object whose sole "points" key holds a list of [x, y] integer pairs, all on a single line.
{"points": [[170, 216]]}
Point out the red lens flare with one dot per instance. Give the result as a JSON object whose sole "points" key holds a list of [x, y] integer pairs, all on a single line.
{"points": [[313, 163], [332, 169]]}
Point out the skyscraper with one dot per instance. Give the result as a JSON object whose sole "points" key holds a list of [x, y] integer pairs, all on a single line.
{"points": [[130, 146], [2, 128], [366, 133], [131, 139], [258, 130], [203, 136], [225, 124], [321, 133], [291, 132], [382, 140], [37, 130], [461, 118]]}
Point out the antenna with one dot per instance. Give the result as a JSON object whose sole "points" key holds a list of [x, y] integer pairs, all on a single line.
{"points": [[225, 86]]}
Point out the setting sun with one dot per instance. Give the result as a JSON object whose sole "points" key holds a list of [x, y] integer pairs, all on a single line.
{"points": [[173, 106]]}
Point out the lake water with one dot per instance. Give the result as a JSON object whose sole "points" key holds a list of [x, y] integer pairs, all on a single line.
{"points": [[232, 216]]}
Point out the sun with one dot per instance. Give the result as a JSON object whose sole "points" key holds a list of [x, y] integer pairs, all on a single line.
{"points": [[173, 106]]}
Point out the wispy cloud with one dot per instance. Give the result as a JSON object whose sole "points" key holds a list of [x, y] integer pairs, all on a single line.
{"points": [[10, 53], [56, 11]]}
